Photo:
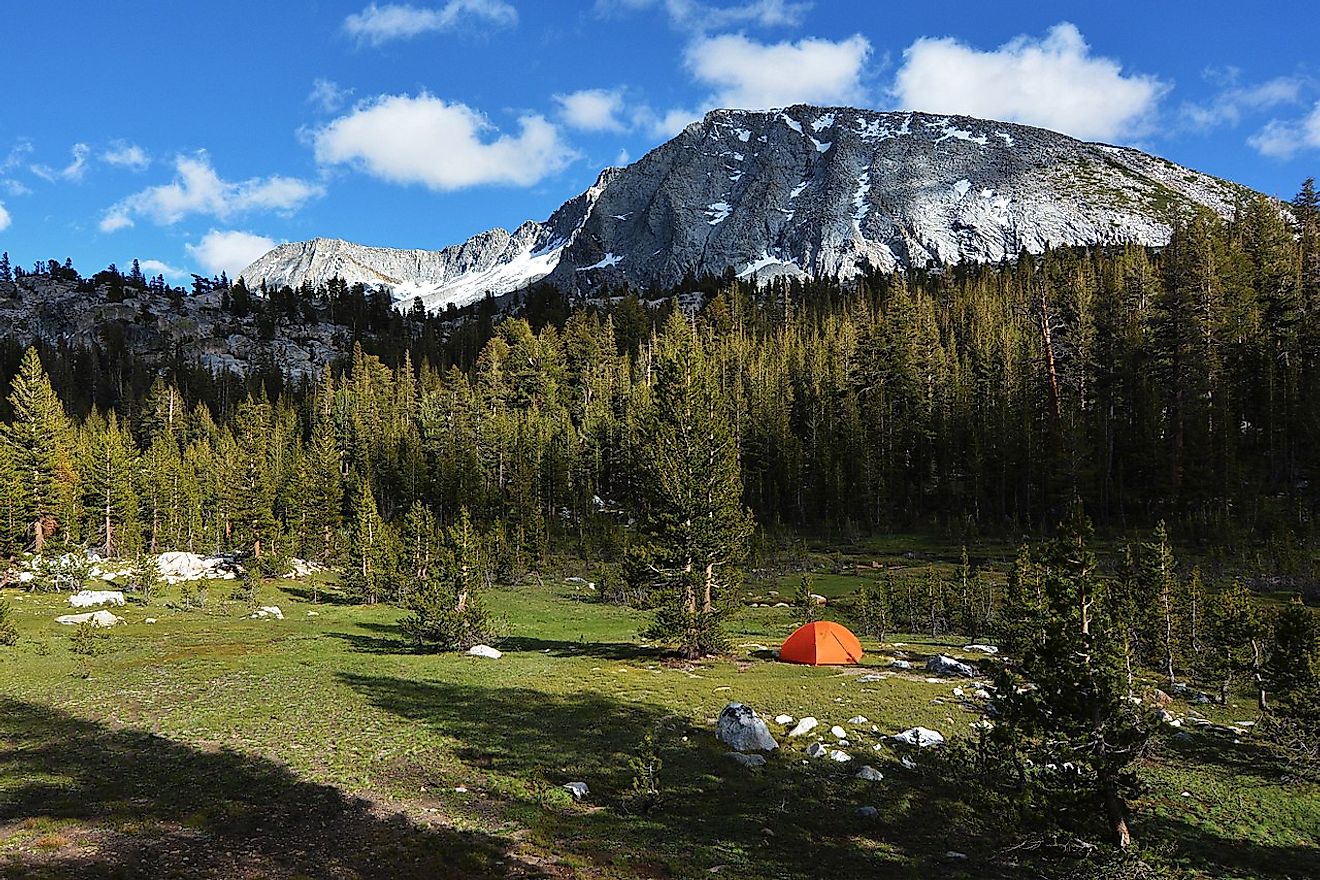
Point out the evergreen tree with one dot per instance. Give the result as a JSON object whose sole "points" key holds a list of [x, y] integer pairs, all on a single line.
{"points": [[41, 446], [1074, 722], [1236, 634], [110, 491], [448, 613], [8, 630], [370, 557], [692, 518]]}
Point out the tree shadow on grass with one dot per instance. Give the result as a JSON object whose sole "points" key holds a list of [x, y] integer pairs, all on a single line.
{"points": [[788, 820], [80, 800], [1216, 856], [599, 650]]}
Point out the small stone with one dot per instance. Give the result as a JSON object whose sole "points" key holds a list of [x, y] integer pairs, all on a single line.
{"points": [[815, 750], [942, 665], [868, 812], [740, 727], [838, 732], [150, 620], [954, 854], [858, 719], [783, 719], [869, 773], [485, 651], [579, 790]]}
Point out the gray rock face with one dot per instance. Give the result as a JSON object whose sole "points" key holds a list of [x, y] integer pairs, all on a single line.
{"points": [[801, 191], [740, 728]]}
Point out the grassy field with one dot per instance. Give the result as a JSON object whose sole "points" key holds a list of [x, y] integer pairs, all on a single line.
{"points": [[210, 745]]}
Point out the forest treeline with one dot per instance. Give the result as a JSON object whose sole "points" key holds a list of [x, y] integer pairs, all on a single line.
{"points": [[1171, 384]]}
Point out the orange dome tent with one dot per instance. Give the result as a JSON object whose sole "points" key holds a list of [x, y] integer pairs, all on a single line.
{"points": [[822, 643]]}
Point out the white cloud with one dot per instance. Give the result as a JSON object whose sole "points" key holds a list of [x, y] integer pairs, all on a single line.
{"points": [[1283, 139], [73, 171], [668, 123], [381, 24], [706, 17], [5, 219], [622, 159], [230, 251], [15, 187], [592, 109], [1232, 102], [1054, 82], [755, 76], [126, 155], [151, 268], [197, 189], [443, 146], [328, 95]]}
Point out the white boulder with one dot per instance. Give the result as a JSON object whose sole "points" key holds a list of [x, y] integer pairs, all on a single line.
{"points": [[804, 726], [267, 612], [859, 719], [921, 737], [100, 619], [840, 756], [838, 732], [870, 774], [485, 651], [815, 750], [579, 790], [984, 649], [92, 598], [740, 727], [942, 665], [783, 719]]}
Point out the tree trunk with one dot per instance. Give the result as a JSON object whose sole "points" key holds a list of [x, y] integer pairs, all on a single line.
{"points": [[1116, 810]]}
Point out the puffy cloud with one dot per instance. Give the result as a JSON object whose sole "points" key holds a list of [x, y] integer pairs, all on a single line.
{"points": [[230, 251], [377, 25], [197, 189], [126, 155], [73, 171], [1054, 82], [327, 95], [443, 146], [5, 219], [1283, 139], [754, 76], [156, 267], [592, 109], [706, 17], [1233, 100]]}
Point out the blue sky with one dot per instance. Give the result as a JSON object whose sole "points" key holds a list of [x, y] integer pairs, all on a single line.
{"points": [[193, 136]]}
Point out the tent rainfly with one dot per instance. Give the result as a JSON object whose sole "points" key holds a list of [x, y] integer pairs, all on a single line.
{"points": [[822, 643]]}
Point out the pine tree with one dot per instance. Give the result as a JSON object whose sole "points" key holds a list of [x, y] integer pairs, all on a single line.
{"points": [[110, 494], [448, 612], [1160, 593], [323, 483], [41, 445], [370, 558], [8, 630], [872, 610], [694, 525], [1076, 724], [6, 272], [1236, 633]]}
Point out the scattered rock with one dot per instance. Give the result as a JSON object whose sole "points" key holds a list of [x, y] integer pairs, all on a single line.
{"points": [[740, 727], [859, 719], [868, 812], [984, 649], [805, 726], [815, 750], [783, 719], [900, 664], [819, 599], [871, 677], [749, 761], [840, 756], [299, 568], [267, 612], [870, 774], [150, 620], [1161, 699], [942, 665], [838, 732], [100, 619], [92, 598], [921, 737], [313, 614], [579, 790], [953, 854], [485, 651]]}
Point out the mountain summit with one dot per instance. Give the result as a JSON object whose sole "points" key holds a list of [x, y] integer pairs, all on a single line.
{"points": [[801, 191]]}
